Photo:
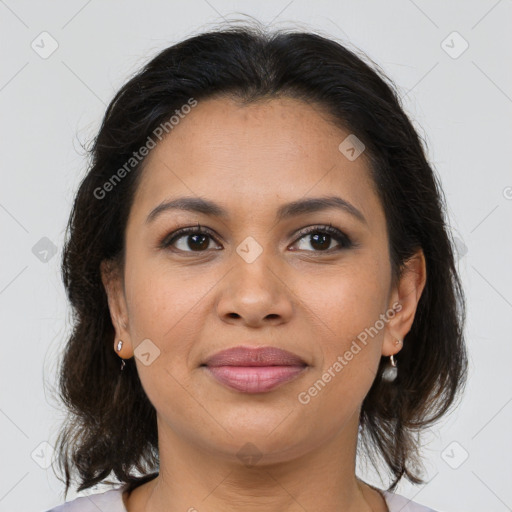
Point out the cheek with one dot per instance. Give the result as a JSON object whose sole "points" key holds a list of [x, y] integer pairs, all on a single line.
{"points": [[161, 308], [349, 340], [161, 300], [346, 309], [345, 302], [167, 307]]}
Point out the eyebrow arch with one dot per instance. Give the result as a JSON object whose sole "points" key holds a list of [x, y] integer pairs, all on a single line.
{"points": [[286, 211]]}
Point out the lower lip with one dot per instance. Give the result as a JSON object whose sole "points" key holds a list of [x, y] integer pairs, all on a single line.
{"points": [[254, 379]]}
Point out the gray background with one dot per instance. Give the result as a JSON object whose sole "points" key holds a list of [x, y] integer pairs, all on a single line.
{"points": [[460, 101]]}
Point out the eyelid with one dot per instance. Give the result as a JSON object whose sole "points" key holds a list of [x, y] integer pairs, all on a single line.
{"points": [[169, 238], [344, 241]]}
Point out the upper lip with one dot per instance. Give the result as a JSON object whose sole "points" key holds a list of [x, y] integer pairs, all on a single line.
{"points": [[254, 356]]}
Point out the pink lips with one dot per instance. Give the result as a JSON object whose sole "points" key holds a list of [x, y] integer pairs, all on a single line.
{"points": [[254, 370]]}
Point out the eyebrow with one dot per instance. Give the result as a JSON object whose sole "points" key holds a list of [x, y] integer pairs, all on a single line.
{"points": [[286, 211]]}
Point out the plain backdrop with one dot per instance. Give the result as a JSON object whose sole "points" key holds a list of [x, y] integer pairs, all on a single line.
{"points": [[62, 62]]}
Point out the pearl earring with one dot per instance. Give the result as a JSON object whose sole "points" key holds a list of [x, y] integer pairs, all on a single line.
{"points": [[390, 372]]}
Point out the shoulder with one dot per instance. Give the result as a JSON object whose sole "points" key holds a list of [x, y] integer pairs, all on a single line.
{"points": [[111, 500], [397, 503]]}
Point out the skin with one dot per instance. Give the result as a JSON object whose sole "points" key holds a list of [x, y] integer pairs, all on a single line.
{"points": [[194, 303]]}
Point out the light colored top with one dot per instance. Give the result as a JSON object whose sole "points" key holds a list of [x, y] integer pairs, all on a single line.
{"points": [[112, 501]]}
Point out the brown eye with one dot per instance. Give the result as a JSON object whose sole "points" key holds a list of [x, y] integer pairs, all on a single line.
{"points": [[197, 242], [320, 241], [321, 238], [194, 239]]}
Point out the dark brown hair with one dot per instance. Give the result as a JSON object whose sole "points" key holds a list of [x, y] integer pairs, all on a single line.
{"points": [[111, 427]]}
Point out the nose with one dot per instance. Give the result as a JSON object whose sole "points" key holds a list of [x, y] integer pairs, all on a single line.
{"points": [[255, 295]]}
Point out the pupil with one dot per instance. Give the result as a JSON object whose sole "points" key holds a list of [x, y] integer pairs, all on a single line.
{"points": [[203, 245], [317, 236]]}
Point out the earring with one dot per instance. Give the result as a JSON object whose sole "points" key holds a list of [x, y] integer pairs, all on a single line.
{"points": [[119, 347], [390, 372]]}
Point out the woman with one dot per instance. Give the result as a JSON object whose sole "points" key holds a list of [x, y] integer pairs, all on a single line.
{"points": [[263, 284]]}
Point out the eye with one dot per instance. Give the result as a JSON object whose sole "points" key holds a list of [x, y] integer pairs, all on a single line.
{"points": [[191, 239], [198, 239], [321, 238]]}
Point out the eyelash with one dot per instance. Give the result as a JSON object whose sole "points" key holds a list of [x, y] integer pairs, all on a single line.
{"points": [[340, 237]]}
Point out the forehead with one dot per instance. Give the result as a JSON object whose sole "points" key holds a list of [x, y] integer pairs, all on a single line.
{"points": [[254, 155]]}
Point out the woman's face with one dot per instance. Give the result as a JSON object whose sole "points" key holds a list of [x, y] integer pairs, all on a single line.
{"points": [[256, 279]]}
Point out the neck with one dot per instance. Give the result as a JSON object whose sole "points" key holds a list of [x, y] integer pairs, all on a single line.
{"points": [[200, 479]]}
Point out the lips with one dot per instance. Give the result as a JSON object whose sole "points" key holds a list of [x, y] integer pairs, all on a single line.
{"points": [[254, 370], [258, 356]]}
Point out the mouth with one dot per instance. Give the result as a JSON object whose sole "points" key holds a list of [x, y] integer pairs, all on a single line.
{"points": [[254, 370]]}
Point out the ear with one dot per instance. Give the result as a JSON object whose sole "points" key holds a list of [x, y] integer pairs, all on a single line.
{"points": [[112, 279], [407, 293]]}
